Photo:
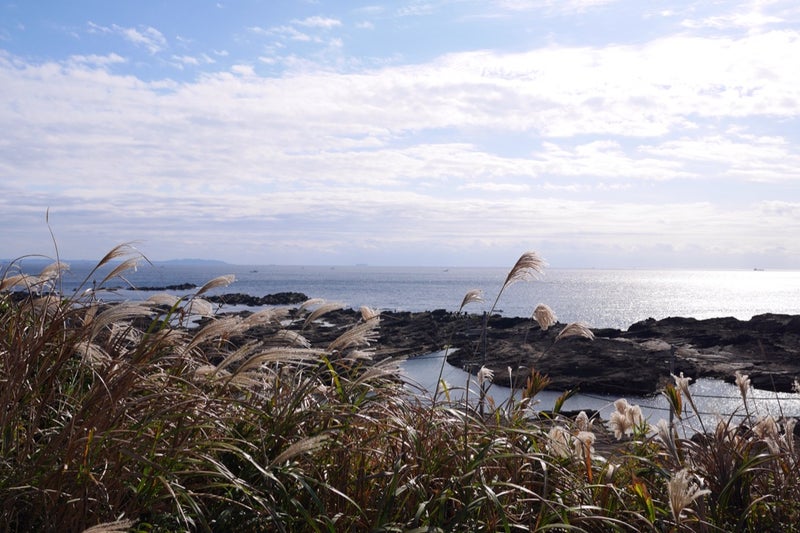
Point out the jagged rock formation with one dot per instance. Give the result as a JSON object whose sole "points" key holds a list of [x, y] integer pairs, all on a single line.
{"points": [[634, 361]]}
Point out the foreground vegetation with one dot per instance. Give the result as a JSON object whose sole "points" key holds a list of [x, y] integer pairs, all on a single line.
{"points": [[130, 417]]}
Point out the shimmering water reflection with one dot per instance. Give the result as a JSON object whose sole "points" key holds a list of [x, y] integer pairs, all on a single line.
{"points": [[715, 399]]}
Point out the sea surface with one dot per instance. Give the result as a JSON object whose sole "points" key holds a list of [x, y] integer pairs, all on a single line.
{"points": [[600, 298]]}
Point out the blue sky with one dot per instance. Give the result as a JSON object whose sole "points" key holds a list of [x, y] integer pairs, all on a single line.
{"points": [[599, 133]]}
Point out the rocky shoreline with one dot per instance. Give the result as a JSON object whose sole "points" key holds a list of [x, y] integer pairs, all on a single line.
{"points": [[633, 361]]}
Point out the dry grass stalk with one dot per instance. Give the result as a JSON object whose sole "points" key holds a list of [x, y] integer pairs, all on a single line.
{"points": [[236, 356], [53, 270], [117, 526], [168, 300], [119, 313], [92, 354], [222, 328], [131, 263], [306, 445], [292, 437], [291, 337], [358, 336], [200, 307], [19, 280], [266, 316], [311, 302], [280, 355]]}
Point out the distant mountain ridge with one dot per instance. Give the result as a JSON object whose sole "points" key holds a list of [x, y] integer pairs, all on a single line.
{"points": [[38, 260]]}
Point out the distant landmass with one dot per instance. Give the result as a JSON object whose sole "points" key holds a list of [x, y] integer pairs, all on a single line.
{"points": [[36, 260]]}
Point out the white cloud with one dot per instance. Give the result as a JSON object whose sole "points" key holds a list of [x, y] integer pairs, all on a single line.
{"points": [[552, 6], [97, 60], [329, 159], [186, 60], [498, 187], [757, 159], [319, 22], [416, 8], [751, 15], [145, 36]]}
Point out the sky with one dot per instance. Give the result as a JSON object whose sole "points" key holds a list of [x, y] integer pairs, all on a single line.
{"points": [[598, 133]]}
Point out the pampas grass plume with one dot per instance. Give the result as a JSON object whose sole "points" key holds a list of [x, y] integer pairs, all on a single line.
{"points": [[544, 316], [472, 296], [575, 329], [322, 310], [527, 267], [219, 281], [368, 313]]}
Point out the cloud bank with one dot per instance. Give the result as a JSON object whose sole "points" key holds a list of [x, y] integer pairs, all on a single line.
{"points": [[680, 149]]}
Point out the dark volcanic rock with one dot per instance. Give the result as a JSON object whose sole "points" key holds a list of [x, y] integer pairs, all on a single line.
{"points": [[635, 361], [279, 298], [179, 287]]}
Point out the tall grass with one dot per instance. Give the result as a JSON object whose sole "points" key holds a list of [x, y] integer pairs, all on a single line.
{"points": [[161, 416]]}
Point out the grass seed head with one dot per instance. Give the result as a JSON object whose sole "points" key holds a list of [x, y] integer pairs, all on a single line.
{"points": [[544, 316]]}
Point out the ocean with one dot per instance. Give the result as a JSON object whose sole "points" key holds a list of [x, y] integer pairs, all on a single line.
{"points": [[601, 298]]}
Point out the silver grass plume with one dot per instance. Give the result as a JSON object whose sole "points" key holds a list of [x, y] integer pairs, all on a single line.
{"points": [[306, 445], [121, 312], [788, 434], [360, 355], [382, 370], [558, 441], [311, 302], [278, 355], [233, 357], [485, 375], [682, 383], [472, 296], [544, 316], [219, 281], [26, 280], [743, 382], [368, 313], [582, 422], [682, 492], [575, 329], [357, 336], [199, 306], [322, 310], [265, 316], [118, 526], [527, 267], [168, 300], [291, 337], [53, 270], [116, 252], [92, 354], [222, 328], [131, 263]]}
